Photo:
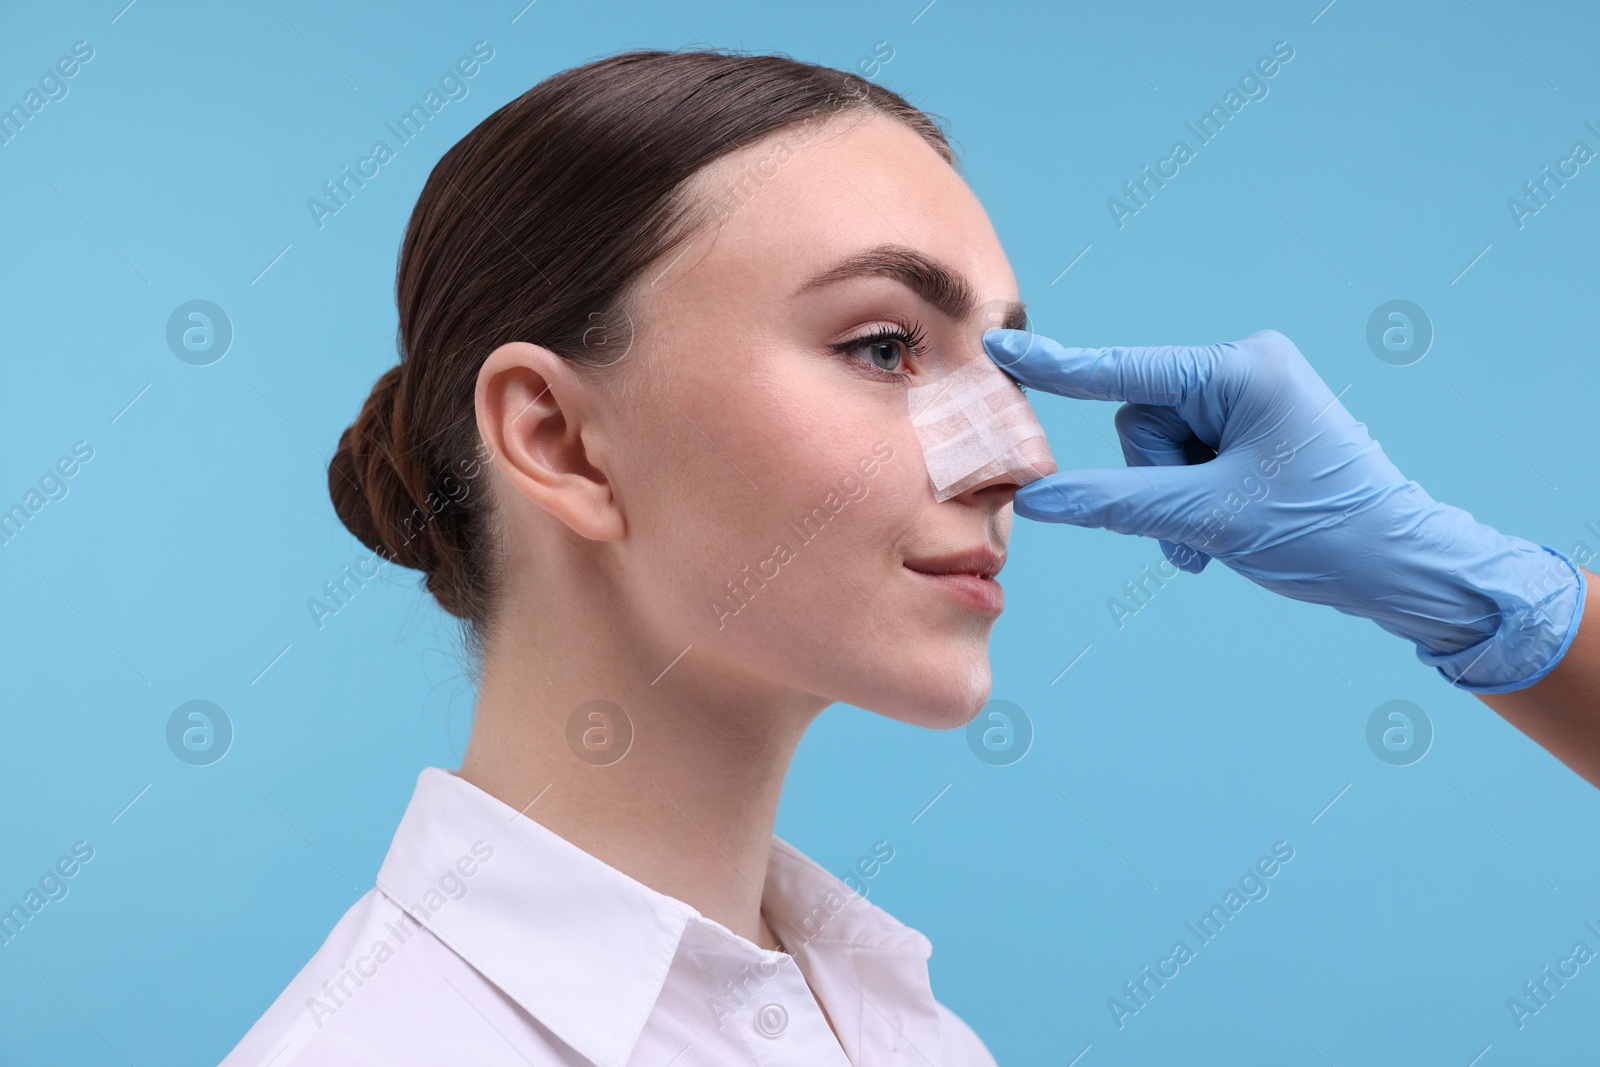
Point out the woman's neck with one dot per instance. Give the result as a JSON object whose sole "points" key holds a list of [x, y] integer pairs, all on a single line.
{"points": [[689, 809]]}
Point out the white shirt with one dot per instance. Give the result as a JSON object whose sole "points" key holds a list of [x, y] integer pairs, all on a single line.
{"points": [[491, 940]]}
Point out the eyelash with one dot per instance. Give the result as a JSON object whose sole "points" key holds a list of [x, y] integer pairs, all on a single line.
{"points": [[910, 335]]}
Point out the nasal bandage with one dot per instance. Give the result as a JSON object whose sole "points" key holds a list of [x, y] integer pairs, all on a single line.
{"points": [[975, 424]]}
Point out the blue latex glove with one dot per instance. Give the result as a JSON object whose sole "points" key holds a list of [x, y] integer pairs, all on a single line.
{"points": [[1239, 451]]}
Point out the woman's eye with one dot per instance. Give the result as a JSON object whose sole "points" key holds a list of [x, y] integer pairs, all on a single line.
{"points": [[888, 350], [884, 355]]}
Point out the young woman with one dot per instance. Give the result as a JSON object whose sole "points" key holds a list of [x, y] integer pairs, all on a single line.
{"points": [[649, 440], [664, 322]]}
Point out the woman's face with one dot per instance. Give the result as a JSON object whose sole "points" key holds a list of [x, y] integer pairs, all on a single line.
{"points": [[774, 492]]}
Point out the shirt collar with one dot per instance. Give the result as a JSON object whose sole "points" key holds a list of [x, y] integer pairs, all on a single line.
{"points": [[810, 907], [560, 931]]}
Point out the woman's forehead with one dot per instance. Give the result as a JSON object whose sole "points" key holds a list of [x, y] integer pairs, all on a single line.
{"points": [[856, 198]]}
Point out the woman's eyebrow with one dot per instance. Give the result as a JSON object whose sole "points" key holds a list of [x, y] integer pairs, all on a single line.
{"points": [[946, 289]]}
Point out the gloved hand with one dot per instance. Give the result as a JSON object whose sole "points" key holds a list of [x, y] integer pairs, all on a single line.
{"points": [[1238, 451]]}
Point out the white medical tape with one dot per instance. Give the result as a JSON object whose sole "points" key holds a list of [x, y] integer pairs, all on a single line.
{"points": [[975, 424]]}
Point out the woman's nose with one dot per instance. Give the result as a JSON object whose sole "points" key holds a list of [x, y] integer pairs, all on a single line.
{"points": [[977, 429]]}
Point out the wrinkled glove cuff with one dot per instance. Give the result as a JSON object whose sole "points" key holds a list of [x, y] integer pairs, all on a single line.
{"points": [[1537, 627]]}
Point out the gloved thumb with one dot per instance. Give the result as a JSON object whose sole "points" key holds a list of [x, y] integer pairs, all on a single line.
{"points": [[1142, 501]]}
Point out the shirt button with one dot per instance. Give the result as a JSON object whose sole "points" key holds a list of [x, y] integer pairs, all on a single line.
{"points": [[772, 1020]]}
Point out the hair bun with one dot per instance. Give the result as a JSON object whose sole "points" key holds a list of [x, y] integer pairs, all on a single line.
{"points": [[369, 486]]}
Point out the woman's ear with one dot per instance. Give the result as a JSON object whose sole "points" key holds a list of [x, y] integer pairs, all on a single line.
{"points": [[535, 415]]}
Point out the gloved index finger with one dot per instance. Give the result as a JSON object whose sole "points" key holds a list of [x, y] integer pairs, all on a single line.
{"points": [[1164, 375]]}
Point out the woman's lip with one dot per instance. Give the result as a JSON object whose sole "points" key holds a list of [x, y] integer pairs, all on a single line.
{"points": [[977, 592]]}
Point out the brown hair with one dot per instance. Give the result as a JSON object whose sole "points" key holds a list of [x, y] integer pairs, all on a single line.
{"points": [[534, 227]]}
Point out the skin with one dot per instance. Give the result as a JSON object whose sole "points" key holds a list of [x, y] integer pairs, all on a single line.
{"points": [[1561, 711], [630, 498]]}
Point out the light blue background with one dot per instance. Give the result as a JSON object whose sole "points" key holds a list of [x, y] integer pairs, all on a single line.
{"points": [[1212, 724]]}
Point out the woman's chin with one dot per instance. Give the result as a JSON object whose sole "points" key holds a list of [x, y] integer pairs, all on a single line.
{"points": [[945, 698]]}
